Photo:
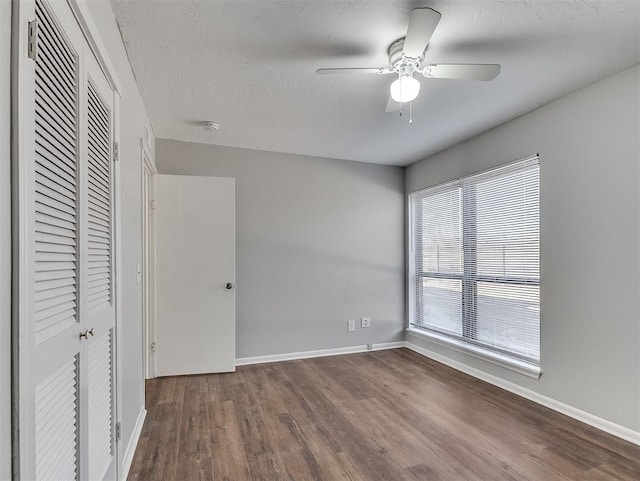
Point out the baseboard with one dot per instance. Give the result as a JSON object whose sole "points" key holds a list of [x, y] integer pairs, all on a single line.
{"points": [[585, 417], [127, 458], [290, 356]]}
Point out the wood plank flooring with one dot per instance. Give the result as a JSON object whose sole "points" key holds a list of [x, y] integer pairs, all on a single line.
{"points": [[387, 415]]}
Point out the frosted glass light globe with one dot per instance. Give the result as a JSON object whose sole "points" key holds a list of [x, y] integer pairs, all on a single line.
{"points": [[405, 89]]}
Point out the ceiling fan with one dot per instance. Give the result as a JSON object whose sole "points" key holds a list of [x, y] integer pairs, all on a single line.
{"points": [[406, 56]]}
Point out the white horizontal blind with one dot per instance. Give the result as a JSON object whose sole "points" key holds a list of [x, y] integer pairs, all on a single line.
{"points": [[438, 239], [498, 286]]}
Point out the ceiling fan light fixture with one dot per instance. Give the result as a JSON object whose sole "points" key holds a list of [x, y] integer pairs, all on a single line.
{"points": [[405, 88]]}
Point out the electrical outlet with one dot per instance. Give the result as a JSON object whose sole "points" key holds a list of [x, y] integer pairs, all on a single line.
{"points": [[351, 326], [365, 322]]}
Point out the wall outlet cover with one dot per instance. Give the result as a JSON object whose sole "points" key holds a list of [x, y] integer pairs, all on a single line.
{"points": [[365, 322], [351, 326]]}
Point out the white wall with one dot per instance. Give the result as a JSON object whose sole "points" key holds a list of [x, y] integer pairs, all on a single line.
{"points": [[133, 118], [5, 242], [318, 241], [590, 243]]}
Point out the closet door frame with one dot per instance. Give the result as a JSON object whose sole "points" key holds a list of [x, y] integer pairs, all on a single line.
{"points": [[22, 148]]}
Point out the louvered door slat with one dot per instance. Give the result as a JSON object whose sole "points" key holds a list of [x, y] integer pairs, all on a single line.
{"points": [[45, 191], [99, 174], [52, 97], [54, 207], [55, 221], [99, 212], [44, 238], [100, 115], [54, 123], [62, 114], [43, 207], [99, 201], [99, 236], [100, 406], [47, 24], [55, 231], [54, 187], [97, 186], [53, 423], [56, 402], [54, 292], [60, 300], [98, 272], [100, 197], [57, 169], [44, 286], [56, 176], [99, 108], [54, 72], [52, 145], [99, 146]]}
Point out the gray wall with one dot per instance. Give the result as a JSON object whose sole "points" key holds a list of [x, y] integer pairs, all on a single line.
{"points": [[319, 242], [5, 242], [133, 119], [590, 328]]}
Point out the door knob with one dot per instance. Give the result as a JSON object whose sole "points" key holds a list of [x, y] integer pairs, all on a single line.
{"points": [[229, 285], [83, 335], [91, 333]]}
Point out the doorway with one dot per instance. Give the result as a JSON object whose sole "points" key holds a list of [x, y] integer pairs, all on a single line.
{"points": [[148, 261]]}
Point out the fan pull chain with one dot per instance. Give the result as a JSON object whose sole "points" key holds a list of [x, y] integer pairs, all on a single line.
{"points": [[410, 112]]}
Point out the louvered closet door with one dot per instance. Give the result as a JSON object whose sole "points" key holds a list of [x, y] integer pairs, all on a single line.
{"points": [[52, 399], [67, 327], [98, 249]]}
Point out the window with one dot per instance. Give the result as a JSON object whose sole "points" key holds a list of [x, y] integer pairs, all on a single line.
{"points": [[475, 262]]}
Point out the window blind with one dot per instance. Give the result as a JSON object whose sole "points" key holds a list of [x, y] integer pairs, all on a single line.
{"points": [[477, 257]]}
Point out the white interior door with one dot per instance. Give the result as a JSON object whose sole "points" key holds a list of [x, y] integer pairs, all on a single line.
{"points": [[195, 275]]}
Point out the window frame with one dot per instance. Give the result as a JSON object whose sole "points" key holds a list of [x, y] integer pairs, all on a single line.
{"points": [[469, 278]]}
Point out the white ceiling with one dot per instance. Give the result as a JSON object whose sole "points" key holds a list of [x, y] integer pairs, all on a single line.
{"points": [[250, 66]]}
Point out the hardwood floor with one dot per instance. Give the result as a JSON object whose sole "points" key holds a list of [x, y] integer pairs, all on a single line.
{"points": [[387, 415]]}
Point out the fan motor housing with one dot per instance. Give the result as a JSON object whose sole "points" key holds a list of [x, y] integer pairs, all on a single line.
{"points": [[396, 59]]}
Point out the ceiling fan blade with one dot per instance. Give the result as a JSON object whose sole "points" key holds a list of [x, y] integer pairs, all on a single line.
{"points": [[462, 71], [379, 71], [421, 26], [392, 105]]}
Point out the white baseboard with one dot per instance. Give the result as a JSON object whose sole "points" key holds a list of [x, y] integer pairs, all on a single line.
{"points": [[585, 417], [290, 356], [127, 458]]}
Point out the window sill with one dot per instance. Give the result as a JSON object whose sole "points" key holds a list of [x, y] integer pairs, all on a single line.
{"points": [[517, 365]]}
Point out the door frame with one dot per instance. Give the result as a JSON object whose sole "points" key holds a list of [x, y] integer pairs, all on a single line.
{"points": [[148, 178], [22, 143]]}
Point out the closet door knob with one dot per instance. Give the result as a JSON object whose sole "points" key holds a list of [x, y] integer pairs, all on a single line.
{"points": [[83, 335], [91, 333], [229, 285]]}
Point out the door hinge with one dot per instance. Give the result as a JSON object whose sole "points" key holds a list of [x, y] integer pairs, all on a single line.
{"points": [[153, 347], [116, 153], [32, 42], [118, 432], [153, 204]]}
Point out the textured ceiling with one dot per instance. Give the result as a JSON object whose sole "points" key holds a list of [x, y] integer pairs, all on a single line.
{"points": [[250, 66]]}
